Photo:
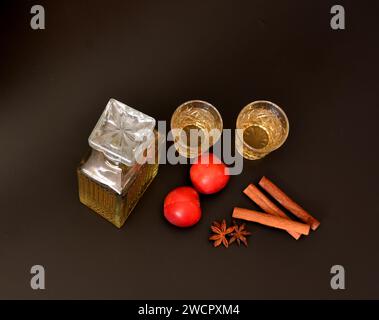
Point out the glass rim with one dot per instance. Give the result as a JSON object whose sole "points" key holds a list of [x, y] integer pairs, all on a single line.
{"points": [[281, 111], [211, 106]]}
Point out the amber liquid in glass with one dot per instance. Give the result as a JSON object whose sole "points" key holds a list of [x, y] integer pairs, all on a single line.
{"points": [[108, 203], [194, 123], [114, 206], [262, 131]]}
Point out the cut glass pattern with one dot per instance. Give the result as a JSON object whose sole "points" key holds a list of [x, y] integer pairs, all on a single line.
{"points": [[122, 133]]}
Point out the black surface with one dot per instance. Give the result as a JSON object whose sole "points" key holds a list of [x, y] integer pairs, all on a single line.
{"points": [[153, 56]]}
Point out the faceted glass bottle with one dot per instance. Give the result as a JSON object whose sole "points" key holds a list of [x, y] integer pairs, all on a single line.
{"points": [[121, 164]]}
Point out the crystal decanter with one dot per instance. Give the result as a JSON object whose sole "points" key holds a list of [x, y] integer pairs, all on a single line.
{"points": [[121, 163]]}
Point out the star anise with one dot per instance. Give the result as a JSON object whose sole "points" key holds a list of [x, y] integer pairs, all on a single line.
{"points": [[239, 234], [220, 232]]}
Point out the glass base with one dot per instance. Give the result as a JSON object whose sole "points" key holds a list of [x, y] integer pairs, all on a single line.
{"points": [[246, 153]]}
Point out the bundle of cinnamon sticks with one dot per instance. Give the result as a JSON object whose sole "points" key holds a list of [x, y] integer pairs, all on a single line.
{"points": [[273, 216]]}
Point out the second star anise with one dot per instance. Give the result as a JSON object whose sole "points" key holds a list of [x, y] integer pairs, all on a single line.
{"points": [[239, 234]]}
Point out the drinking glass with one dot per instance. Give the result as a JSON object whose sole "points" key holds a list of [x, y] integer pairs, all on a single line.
{"points": [[196, 125], [262, 127]]}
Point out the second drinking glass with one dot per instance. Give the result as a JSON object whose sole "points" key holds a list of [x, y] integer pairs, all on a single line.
{"points": [[262, 127]]}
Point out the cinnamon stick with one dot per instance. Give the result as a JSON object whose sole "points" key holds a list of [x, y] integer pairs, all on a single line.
{"points": [[288, 203], [267, 205], [271, 220]]}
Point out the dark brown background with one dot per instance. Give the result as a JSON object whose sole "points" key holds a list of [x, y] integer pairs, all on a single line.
{"points": [[154, 55]]}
